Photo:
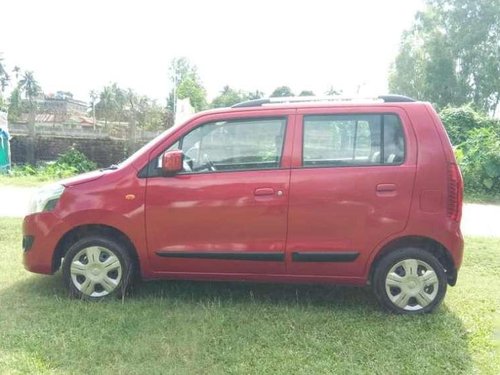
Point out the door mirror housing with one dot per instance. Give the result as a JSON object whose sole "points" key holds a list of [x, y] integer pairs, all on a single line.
{"points": [[172, 162]]}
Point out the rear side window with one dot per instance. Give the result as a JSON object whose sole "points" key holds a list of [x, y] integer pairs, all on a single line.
{"points": [[353, 140]]}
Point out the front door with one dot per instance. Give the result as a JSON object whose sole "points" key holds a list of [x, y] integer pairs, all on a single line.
{"points": [[226, 212]]}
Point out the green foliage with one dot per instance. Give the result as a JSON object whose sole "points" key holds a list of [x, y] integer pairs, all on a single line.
{"points": [[451, 55], [192, 88], [30, 87], [76, 160], [4, 82], [479, 158], [111, 104], [152, 116], [15, 105], [257, 94], [477, 141], [3, 104], [186, 84], [282, 91], [125, 105], [228, 97], [459, 121], [68, 164], [333, 92], [306, 93]]}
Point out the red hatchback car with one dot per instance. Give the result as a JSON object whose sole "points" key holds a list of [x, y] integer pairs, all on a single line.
{"points": [[273, 190]]}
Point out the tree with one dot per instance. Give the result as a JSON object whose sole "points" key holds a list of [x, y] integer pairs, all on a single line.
{"points": [[4, 81], [257, 94], [125, 105], [93, 98], [306, 93], [31, 89], [282, 91], [228, 97], [152, 116], [186, 84], [4, 76], [451, 55], [106, 106], [16, 71], [333, 92], [191, 88], [15, 105]]}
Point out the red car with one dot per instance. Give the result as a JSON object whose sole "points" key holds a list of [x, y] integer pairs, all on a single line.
{"points": [[273, 190]]}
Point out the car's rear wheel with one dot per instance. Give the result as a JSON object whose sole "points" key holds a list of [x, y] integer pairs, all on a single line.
{"points": [[409, 281], [96, 267]]}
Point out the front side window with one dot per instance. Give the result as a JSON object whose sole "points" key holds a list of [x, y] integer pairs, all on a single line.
{"points": [[233, 145], [353, 140]]}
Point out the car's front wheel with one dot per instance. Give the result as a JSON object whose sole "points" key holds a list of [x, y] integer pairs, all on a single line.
{"points": [[96, 267], [409, 281]]}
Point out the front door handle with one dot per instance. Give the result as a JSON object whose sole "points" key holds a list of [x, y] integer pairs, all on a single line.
{"points": [[263, 191]]}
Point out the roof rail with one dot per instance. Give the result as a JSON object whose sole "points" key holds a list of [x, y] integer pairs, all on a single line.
{"points": [[302, 99]]}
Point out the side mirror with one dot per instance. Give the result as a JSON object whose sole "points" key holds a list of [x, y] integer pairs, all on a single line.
{"points": [[172, 162]]}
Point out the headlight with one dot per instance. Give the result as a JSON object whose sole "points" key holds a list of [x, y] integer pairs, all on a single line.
{"points": [[45, 198]]}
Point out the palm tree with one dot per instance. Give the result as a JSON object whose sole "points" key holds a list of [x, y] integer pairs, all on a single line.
{"points": [[93, 98], [107, 102], [3, 72], [31, 89], [4, 76], [133, 102], [4, 82], [16, 71]]}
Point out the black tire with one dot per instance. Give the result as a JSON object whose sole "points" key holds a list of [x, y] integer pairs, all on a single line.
{"points": [[97, 267], [409, 281]]}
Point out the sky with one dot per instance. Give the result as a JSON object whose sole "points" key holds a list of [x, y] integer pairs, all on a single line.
{"points": [[80, 45]]}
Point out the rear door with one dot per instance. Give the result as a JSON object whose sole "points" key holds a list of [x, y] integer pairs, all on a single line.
{"points": [[351, 187], [226, 212]]}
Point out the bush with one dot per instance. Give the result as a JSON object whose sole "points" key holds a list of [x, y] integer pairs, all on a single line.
{"points": [[68, 164], [460, 121], [479, 159], [74, 159], [477, 147]]}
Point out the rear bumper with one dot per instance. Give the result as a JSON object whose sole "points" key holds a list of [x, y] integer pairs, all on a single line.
{"points": [[41, 233]]}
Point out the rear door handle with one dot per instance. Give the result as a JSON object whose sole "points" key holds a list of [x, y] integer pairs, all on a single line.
{"points": [[263, 191], [386, 187]]}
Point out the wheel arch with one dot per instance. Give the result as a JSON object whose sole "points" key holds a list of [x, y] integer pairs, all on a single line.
{"points": [[430, 245], [86, 230]]}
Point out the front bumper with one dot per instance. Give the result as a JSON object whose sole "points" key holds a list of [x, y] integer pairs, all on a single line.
{"points": [[41, 234]]}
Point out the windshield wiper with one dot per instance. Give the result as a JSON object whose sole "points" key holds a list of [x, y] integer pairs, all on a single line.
{"points": [[111, 167]]}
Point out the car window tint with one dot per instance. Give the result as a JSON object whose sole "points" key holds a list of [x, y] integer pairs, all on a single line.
{"points": [[350, 140]]}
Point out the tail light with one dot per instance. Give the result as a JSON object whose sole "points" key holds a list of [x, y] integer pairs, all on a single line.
{"points": [[455, 192]]}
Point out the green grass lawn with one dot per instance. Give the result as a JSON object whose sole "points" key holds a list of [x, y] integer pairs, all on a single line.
{"points": [[25, 181], [211, 328]]}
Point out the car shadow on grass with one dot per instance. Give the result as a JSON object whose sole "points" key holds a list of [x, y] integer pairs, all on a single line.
{"points": [[317, 295], [200, 292]]}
